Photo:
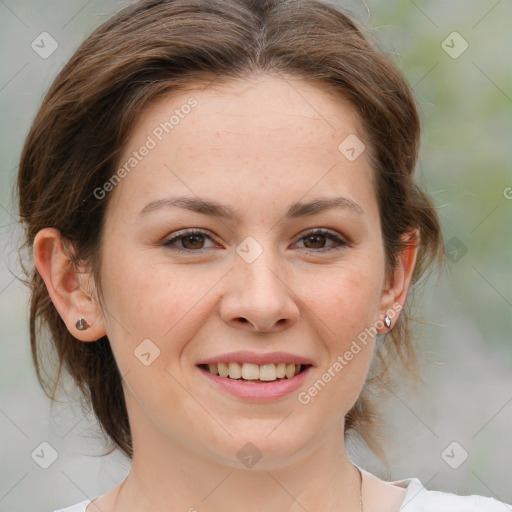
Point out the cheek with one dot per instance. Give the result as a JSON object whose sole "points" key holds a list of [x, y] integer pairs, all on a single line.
{"points": [[346, 307], [156, 301], [345, 319], [346, 299]]}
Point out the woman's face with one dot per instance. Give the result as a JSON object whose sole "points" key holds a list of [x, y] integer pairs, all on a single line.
{"points": [[262, 273]]}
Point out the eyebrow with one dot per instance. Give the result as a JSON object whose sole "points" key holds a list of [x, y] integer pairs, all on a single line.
{"points": [[216, 209]]}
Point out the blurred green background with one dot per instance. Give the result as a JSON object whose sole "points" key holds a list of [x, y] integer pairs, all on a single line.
{"points": [[464, 317]]}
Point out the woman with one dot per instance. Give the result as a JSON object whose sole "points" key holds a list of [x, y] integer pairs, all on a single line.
{"points": [[220, 200]]}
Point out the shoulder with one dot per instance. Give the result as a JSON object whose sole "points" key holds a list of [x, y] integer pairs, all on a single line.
{"points": [[419, 499], [79, 507]]}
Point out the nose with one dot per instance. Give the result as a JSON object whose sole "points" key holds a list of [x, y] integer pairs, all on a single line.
{"points": [[257, 296]]}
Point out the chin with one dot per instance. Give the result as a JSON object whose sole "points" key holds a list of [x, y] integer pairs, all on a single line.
{"points": [[264, 449]]}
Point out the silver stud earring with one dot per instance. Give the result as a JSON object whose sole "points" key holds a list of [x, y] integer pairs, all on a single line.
{"points": [[387, 321], [81, 324]]}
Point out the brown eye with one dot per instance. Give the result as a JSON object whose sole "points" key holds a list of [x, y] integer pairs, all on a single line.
{"points": [[191, 241], [316, 239]]}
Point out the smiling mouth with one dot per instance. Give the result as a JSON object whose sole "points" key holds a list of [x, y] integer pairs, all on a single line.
{"points": [[249, 372]]}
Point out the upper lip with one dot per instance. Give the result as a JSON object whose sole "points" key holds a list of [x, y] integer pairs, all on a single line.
{"points": [[255, 358]]}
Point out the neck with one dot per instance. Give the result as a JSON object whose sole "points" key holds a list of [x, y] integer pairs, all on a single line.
{"points": [[164, 474]]}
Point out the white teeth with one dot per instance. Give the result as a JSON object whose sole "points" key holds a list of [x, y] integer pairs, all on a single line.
{"points": [[290, 370], [235, 372], [251, 371], [281, 370], [268, 372], [223, 369], [248, 371]]}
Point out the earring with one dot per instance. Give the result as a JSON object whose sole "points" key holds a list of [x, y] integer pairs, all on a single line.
{"points": [[81, 324], [387, 321]]}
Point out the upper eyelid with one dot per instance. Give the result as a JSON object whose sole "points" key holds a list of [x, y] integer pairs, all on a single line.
{"points": [[188, 232]]}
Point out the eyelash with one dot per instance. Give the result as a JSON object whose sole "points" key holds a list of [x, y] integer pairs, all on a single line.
{"points": [[191, 232]]}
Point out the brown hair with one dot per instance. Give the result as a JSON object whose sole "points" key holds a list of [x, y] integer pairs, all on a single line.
{"points": [[155, 47]]}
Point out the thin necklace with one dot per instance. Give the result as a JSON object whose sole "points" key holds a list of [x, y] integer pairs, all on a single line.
{"points": [[360, 489]]}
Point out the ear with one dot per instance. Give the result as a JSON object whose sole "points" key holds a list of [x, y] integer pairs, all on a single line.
{"points": [[397, 283], [69, 289]]}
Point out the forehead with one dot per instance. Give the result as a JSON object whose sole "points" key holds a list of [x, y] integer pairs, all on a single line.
{"points": [[271, 100], [275, 136]]}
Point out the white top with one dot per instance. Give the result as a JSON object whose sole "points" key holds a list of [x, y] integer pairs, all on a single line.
{"points": [[417, 499]]}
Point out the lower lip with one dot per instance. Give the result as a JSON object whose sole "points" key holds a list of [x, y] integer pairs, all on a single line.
{"points": [[258, 391]]}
